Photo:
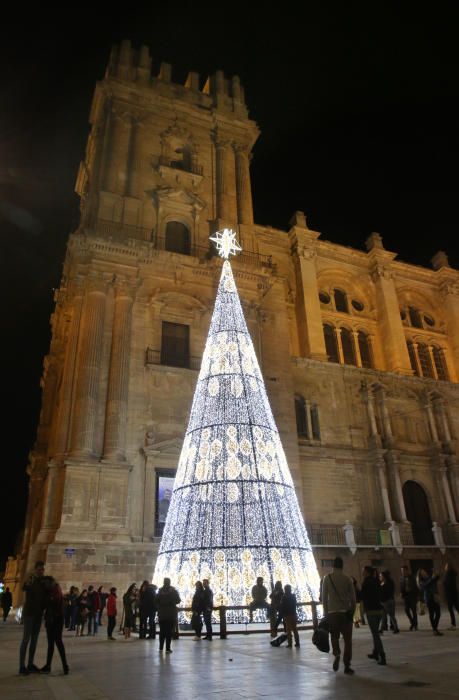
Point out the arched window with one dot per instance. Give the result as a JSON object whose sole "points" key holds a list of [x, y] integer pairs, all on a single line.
{"points": [[425, 360], [418, 513], [340, 301], [347, 343], [365, 350], [412, 354], [178, 238], [440, 363], [300, 414], [331, 345]]}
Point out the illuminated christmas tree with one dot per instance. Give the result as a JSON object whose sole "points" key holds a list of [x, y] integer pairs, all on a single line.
{"points": [[234, 514]]}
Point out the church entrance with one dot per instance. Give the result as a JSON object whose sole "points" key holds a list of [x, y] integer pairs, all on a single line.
{"points": [[418, 513]]}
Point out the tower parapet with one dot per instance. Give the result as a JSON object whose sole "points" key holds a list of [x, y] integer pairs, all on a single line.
{"points": [[135, 65]]}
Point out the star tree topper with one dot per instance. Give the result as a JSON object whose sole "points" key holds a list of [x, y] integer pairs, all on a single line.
{"points": [[226, 243]]}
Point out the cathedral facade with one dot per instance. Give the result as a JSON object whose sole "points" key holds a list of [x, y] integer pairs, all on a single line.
{"points": [[360, 352]]}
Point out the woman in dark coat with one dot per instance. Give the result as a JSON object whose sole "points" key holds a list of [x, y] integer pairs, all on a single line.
{"points": [[197, 609], [54, 622], [129, 601]]}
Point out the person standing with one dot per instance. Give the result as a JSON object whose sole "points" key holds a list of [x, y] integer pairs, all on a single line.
{"points": [[167, 601], [208, 607], [450, 589], [287, 608], [111, 614], [31, 616], [259, 595], [103, 602], [54, 622], [338, 599], [197, 609], [370, 593], [129, 602], [7, 602], [276, 615], [147, 610], [388, 601], [409, 593], [93, 610], [427, 584]]}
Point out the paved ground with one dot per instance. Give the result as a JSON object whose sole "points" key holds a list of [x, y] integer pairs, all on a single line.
{"points": [[420, 666]]}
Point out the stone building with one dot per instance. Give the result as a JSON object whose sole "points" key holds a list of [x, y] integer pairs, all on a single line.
{"points": [[360, 352]]}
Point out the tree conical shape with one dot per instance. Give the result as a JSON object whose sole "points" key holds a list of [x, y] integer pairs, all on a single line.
{"points": [[234, 514]]}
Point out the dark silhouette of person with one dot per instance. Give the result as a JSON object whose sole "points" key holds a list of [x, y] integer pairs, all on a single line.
{"points": [[54, 623], [7, 602], [32, 614]]}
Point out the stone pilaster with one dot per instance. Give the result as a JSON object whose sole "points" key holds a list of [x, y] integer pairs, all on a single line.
{"points": [[310, 329], [116, 164], [391, 327], [396, 483], [90, 351], [243, 186], [117, 399], [222, 150], [60, 438], [448, 281]]}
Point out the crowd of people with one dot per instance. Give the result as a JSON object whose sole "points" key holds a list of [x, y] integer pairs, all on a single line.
{"points": [[346, 605]]}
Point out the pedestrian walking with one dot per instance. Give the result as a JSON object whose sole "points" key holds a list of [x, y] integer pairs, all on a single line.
{"points": [[410, 594], [388, 602], [208, 607], [451, 595], [338, 599], [370, 593], [427, 584], [288, 610], [7, 603], [111, 614], [54, 623]]}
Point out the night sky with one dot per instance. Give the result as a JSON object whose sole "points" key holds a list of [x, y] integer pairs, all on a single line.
{"points": [[356, 101]]}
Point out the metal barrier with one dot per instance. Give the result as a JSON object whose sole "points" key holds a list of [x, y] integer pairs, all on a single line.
{"points": [[223, 624]]}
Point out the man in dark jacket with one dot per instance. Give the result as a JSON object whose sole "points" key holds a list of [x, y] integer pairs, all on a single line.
{"points": [[7, 602], [32, 614], [287, 608], [409, 592], [147, 610], [208, 607], [167, 601], [370, 594]]}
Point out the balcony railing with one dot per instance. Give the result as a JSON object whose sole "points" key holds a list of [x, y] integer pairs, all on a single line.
{"points": [[396, 535], [120, 231], [153, 357]]}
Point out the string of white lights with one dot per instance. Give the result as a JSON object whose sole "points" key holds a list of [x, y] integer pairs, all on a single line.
{"points": [[234, 514]]}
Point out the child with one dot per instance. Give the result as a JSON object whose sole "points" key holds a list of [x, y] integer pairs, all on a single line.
{"points": [[288, 611]]}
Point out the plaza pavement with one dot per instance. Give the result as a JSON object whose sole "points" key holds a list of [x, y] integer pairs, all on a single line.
{"points": [[420, 666]]}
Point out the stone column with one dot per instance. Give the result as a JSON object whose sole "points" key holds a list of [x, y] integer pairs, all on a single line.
{"points": [[358, 358], [393, 464], [447, 495], [432, 362], [431, 420], [391, 327], [116, 416], [381, 467], [388, 435], [416, 359], [340, 345], [61, 428], [134, 158], [243, 187], [371, 414], [307, 407], [89, 363], [448, 280]]}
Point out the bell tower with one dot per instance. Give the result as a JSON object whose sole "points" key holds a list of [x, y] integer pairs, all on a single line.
{"points": [[166, 164]]}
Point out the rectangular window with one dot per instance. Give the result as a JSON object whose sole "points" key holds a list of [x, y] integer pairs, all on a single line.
{"points": [[175, 345], [164, 485]]}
